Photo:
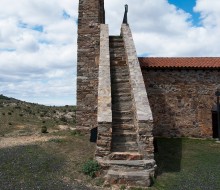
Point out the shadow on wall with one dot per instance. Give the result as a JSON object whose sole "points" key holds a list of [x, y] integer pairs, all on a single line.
{"points": [[93, 135], [169, 151]]}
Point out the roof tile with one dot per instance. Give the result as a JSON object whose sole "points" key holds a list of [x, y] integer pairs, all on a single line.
{"points": [[179, 62]]}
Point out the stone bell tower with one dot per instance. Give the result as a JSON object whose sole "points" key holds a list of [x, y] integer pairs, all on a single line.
{"points": [[91, 15]]}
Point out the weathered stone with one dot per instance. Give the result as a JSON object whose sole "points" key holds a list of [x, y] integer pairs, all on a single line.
{"points": [[181, 101]]}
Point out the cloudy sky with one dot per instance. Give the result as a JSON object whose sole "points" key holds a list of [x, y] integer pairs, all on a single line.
{"points": [[38, 40]]}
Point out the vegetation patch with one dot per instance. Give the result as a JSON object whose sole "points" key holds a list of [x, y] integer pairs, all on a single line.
{"points": [[91, 167]]}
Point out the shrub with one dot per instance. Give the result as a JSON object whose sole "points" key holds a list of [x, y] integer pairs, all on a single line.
{"points": [[91, 167], [63, 119], [9, 113], [21, 115], [76, 133], [3, 113], [43, 129], [9, 123]]}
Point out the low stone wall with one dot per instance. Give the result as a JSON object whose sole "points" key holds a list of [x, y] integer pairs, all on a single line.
{"points": [[104, 96], [143, 115], [181, 101]]}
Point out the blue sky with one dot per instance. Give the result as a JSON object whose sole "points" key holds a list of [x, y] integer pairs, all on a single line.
{"points": [[187, 5], [38, 40]]}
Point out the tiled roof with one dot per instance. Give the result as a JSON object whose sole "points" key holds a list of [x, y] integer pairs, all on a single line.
{"points": [[179, 62]]}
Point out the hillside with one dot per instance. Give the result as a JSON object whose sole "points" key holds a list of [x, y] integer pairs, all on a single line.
{"points": [[28, 118]]}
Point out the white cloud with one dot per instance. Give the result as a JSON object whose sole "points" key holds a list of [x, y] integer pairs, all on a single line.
{"points": [[38, 50], [38, 41]]}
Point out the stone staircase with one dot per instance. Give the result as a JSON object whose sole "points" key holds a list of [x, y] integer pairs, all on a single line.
{"points": [[124, 165], [124, 136]]}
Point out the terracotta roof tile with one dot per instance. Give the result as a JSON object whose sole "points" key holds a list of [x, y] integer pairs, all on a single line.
{"points": [[179, 62]]}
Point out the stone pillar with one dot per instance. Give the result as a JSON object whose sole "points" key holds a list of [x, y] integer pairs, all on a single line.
{"points": [[90, 17]]}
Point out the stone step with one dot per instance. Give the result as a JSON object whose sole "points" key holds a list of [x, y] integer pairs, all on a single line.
{"points": [[119, 71], [124, 137], [118, 98], [115, 38], [116, 80], [122, 94], [141, 178], [124, 147], [122, 119], [125, 156], [129, 159], [122, 106], [120, 62], [116, 44], [123, 126], [121, 85], [127, 113]]}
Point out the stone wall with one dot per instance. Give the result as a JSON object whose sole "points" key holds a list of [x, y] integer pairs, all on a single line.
{"points": [[181, 101], [90, 17]]}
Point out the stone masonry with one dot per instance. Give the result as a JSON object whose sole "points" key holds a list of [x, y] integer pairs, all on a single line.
{"points": [[125, 142], [182, 100], [91, 14], [111, 95]]}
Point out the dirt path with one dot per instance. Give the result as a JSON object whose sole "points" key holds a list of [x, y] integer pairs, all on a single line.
{"points": [[6, 142]]}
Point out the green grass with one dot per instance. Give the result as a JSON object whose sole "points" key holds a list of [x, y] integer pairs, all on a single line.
{"points": [[187, 164]]}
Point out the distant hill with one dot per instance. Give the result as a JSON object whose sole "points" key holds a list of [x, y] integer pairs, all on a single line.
{"points": [[15, 114], [4, 97]]}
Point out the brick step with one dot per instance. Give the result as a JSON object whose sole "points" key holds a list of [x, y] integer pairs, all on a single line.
{"points": [[122, 92], [124, 146], [141, 178], [124, 137]]}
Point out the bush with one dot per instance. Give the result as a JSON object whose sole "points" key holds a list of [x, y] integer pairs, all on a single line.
{"points": [[76, 133], [63, 119], [91, 167], [9, 113], [44, 129]]}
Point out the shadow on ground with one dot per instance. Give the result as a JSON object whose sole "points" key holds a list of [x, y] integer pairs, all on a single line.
{"points": [[169, 155], [31, 167]]}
